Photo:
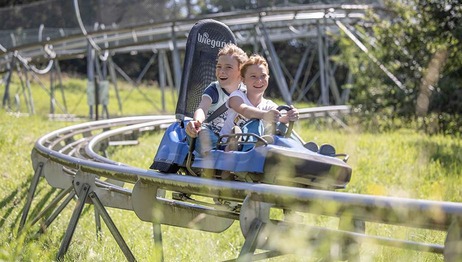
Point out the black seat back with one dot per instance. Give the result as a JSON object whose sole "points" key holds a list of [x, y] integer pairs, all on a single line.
{"points": [[204, 41]]}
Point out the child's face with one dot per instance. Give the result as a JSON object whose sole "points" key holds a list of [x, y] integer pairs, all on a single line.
{"points": [[227, 71], [256, 79]]}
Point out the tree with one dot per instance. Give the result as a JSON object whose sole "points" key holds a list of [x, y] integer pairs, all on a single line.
{"points": [[419, 41]]}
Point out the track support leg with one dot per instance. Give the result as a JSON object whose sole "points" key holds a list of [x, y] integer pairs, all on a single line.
{"points": [[453, 242], [98, 224], [350, 247], [112, 227], [73, 223], [157, 231], [30, 195], [251, 240]]}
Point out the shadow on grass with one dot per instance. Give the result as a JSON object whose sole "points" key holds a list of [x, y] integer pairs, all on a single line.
{"points": [[17, 199], [12, 201], [7, 205]]}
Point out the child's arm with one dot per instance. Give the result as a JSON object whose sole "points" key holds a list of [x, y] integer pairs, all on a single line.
{"points": [[249, 112], [194, 126]]}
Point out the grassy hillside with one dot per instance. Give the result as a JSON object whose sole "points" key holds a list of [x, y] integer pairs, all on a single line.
{"points": [[400, 163]]}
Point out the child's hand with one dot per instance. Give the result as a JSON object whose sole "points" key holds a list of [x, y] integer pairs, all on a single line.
{"points": [[293, 114], [271, 116], [193, 127]]}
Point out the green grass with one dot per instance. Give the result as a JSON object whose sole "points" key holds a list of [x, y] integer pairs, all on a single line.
{"points": [[401, 163]]}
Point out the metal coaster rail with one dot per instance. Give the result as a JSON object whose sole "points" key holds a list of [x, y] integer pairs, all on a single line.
{"points": [[73, 159]]}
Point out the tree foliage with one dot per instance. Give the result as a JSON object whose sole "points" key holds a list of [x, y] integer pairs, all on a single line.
{"points": [[419, 42]]}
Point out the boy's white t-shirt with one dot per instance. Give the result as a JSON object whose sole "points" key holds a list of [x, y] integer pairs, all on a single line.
{"points": [[234, 118]]}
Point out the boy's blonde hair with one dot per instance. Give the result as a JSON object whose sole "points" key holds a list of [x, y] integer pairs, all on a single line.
{"points": [[254, 60], [234, 51]]}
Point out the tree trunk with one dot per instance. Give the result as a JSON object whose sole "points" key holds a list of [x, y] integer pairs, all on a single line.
{"points": [[429, 79]]}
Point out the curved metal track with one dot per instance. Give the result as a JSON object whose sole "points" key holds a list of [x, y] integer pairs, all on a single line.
{"points": [[73, 159]]}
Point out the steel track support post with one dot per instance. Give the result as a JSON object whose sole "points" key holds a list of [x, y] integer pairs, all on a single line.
{"points": [[162, 79], [18, 104], [274, 62], [96, 95], [453, 242], [346, 91], [30, 195], [145, 200], [53, 203], [112, 227], [157, 232], [100, 89], [52, 93], [255, 37], [98, 224], [83, 194], [350, 246], [90, 79], [322, 70], [250, 244], [330, 79], [60, 80], [6, 95], [113, 76], [105, 93], [157, 226], [176, 59], [168, 73], [20, 70], [23, 88], [28, 93]]}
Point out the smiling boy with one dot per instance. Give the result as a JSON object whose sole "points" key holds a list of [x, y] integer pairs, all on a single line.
{"points": [[252, 105]]}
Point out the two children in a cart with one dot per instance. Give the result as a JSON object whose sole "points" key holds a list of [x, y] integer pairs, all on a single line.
{"points": [[236, 97]]}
